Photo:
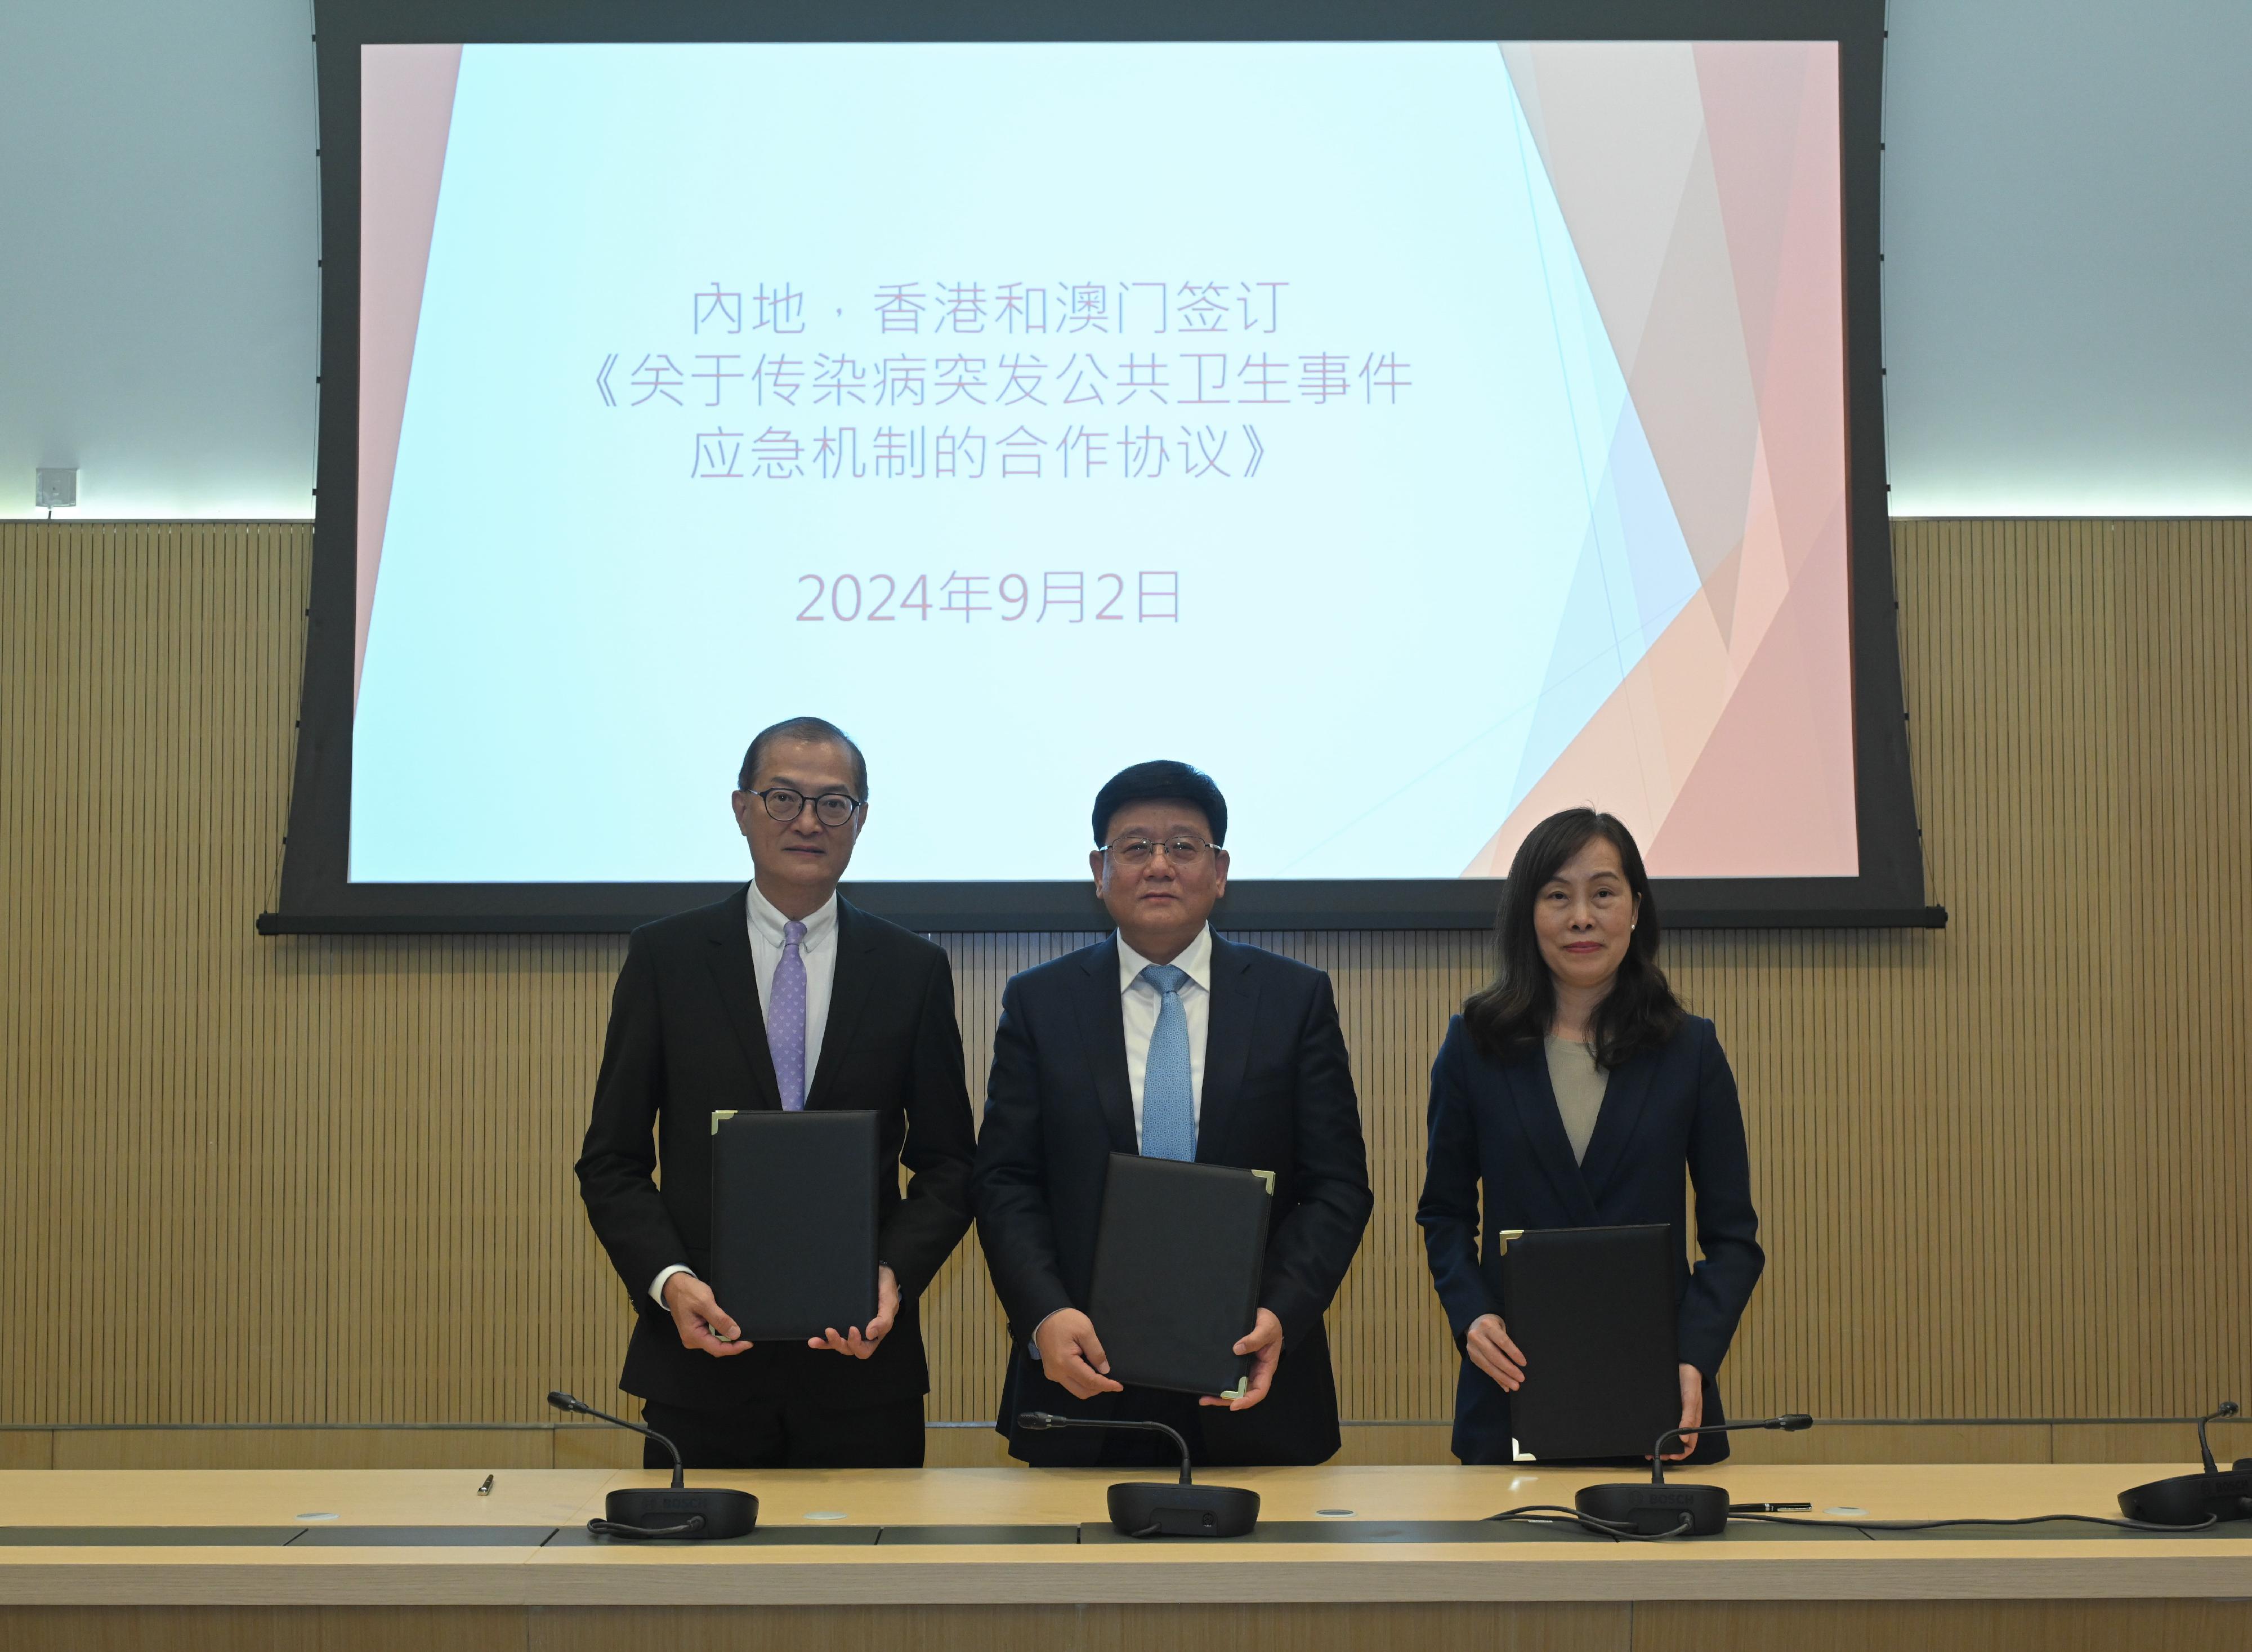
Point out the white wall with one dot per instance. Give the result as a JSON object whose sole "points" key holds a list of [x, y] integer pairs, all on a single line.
{"points": [[2068, 257], [159, 222], [2069, 232]]}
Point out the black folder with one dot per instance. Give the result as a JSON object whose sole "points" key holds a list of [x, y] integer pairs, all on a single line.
{"points": [[1593, 1310], [1178, 1257], [793, 1221]]}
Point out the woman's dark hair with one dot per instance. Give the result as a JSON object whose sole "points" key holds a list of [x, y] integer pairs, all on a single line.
{"points": [[1639, 1012]]}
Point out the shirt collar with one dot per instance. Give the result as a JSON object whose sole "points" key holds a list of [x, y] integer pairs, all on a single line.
{"points": [[766, 921], [1196, 959]]}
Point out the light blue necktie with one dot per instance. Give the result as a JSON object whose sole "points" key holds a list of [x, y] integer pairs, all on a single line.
{"points": [[786, 1020], [1168, 1095]]}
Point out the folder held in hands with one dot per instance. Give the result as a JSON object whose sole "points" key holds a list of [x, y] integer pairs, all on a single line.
{"points": [[1178, 1254], [793, 1221], [1593, 1310]]}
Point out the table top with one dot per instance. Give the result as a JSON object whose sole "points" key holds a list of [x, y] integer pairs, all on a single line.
{"points": [[865, 1535]]}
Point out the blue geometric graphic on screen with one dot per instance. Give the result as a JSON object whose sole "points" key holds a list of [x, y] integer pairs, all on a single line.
{"points": [[1628, 568], [1634, 572]]}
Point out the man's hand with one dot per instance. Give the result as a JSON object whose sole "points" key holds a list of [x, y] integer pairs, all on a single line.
{"points": [[1071, 1354], [1492, 1352], [704, 1324], [1265, 1347], [887, 1309], [1693, 1410]]}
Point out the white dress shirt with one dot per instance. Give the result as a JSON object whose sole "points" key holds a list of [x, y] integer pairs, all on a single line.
{"points": [[1141, 1001], [818, 951]]}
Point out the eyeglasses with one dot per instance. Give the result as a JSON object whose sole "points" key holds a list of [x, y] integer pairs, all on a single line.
{"points": [[831, 808], [1182, 851]]}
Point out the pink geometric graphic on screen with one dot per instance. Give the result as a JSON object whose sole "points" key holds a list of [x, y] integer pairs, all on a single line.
{"points": [[1729, 774], [1773, 785], [406, 109], [1701, 186], [1631, 755], [1629, 511]]}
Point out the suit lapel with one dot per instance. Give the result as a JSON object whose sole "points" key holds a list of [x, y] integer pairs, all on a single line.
{"points": [[1102, 1027], [739, 996], [1624, 1097], [1232, 1012], [1527, 1078], [849, 991]]}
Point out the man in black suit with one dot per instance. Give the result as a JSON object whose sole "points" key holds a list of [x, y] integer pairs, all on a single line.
{"points": [[1166, 1040], [783, 995]]}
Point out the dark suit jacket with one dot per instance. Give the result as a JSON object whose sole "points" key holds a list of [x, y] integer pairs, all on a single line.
{"points": [[1496, 1123], [686, 1038], [1277, 1096]]}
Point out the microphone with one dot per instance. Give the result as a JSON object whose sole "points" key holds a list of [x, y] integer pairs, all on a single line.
{"points": [[2195, 1500], [675, 1512], [2204, 1449], [1662, 1510], [1790, 1422], [1040, 1421], [1154, 1509], [563, 1402]]}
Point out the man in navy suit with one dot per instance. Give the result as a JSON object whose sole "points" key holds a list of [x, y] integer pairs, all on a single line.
{"points": [[1166, 1040]]}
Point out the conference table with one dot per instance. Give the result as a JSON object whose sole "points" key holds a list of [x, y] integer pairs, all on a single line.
{"points": [[1345, 1559]]}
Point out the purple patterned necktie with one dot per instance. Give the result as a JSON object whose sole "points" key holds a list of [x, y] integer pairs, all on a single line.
{"points": [[786, 1020]]}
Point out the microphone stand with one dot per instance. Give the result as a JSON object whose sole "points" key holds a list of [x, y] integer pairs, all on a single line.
{"points": [[2194, 1500], [702, 1514], [1661, 1510], [2204, 1446], [1155, 1510]]}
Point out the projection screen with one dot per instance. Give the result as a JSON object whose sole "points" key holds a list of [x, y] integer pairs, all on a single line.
{"points": [[1420, 432]]}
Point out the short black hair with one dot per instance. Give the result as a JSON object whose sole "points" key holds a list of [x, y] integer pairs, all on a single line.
{"points": [[1165, 779], [815, 731]]}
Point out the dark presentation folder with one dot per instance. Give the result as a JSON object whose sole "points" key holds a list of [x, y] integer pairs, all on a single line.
{"points": [[1593, 1310], [1178, 1258], [793, 1221]]}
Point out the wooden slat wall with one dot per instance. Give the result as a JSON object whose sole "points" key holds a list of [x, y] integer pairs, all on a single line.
{"points": [[310, 1181]]}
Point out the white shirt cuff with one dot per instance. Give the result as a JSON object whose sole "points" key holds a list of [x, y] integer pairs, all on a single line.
{"points": [[656, 1289], [1032, 1342]]}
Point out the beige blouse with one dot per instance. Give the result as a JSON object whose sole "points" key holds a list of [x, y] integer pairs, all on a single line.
{"points": [[1579, 1084]]}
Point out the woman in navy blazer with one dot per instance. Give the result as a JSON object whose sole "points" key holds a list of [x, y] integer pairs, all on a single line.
{"points": [[1579, 982]]}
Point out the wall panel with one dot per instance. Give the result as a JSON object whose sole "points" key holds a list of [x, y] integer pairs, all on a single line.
{"points": [[324, 1181]]}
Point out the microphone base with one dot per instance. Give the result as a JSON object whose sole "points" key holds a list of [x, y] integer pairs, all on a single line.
{"points": [[1655, 1510], [2188, 1499], [1141, 1509], [727, 1514]]}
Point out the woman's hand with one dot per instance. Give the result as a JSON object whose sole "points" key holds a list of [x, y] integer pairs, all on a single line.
{"points": [[1492, 1352], [1693, 1410]]}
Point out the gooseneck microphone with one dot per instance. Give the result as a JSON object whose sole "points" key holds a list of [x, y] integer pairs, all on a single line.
{"points": [[1790, 1422], [1148, 1509], [1659, 1509], [2204, 1447], [563, 1402], [2195, 1500], [676, 1512], [1039, 1421]]}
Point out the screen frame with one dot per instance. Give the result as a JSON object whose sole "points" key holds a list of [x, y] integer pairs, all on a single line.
{"points": [[316, 895]]}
